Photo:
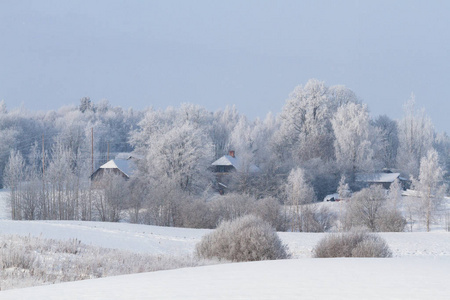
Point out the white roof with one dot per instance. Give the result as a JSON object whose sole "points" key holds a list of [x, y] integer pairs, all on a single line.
{"points": [[126, 166], [377, 177], [228, 160]]}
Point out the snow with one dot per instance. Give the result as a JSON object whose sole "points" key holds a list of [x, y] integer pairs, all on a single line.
{"points": [[401, 278], [418, 270], [123, 236], [181, 241]]}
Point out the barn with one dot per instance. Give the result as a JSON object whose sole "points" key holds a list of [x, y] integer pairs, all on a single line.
{"points": [[123, 165]]}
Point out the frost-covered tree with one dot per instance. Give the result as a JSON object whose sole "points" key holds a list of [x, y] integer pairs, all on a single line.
{"points": [[369, 209], [388, 132], [112, 198], [8, 139], [343, 188], [416, 136], [305, 129], [222, 124], [86, 104], [298, 193], [365, 207], [182, 155], [13, 178], [60, 180], [394, 194], [353, 145], [340, 95], [430, 185], [176, 154], [442, 146]]}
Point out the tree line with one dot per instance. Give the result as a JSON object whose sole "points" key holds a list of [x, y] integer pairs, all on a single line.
{"points": [[322, 138]]}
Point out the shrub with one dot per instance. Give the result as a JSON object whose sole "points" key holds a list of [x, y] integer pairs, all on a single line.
{"points": [[231, 206], [372, 246], [352, 244], [368, 209], [248, 238], [268, 209], [391, 221]]}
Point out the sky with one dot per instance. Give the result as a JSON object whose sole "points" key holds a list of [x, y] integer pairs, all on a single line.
{"points": [[251, 54]]}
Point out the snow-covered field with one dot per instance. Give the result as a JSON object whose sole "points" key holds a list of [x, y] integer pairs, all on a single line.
{"points": [[397, 278], [419, 269]]}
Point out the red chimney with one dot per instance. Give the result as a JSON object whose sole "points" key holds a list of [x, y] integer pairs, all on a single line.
{"points": [[231, 153]]}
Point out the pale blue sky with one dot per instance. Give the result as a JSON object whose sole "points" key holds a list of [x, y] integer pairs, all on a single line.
{"points": [[217, 53]]}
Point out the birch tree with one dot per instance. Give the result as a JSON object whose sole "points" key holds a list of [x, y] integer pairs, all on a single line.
{"points": [[430, 185], [416, 136], [14, 176], [298, 193]]}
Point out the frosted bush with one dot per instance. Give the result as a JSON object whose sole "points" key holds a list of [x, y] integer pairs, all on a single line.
{"points": [[248, 238], [352, 244], [391, 221], [372, 246], [369, 209], [30, 261]]}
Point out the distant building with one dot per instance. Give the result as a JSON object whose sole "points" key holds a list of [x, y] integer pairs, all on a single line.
{"points": [[123, 165], [229, 163], [226, 166], [384, 179]]}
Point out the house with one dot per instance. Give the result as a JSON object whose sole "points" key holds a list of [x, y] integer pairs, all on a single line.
{"points": [[226, 166], [124, 165], [385, 179], [230, 163]]}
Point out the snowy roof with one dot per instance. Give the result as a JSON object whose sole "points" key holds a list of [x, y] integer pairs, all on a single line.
{"points": [[377, 177], [126, 166], [228, 160]]}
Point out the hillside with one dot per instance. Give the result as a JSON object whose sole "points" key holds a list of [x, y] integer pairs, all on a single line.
{"points": [[397, 278], [418, 269]]}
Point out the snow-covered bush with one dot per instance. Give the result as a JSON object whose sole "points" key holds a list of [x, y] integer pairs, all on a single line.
{"points": [[352, 244], [248, 238], [369, 209], [268, 209], [372, 246], [391, 221], [197, 213]]}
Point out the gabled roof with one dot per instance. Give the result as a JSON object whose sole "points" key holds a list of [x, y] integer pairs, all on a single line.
{"points": [[125, 166], [380, 177], [228, 160]]}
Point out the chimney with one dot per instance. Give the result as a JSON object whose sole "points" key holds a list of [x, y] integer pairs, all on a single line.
{"points": [[231, 153]]}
